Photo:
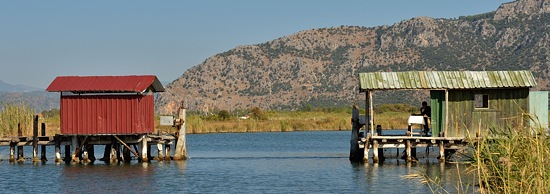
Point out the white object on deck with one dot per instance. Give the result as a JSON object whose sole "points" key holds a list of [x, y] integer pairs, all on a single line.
{"points": [[413, 119]]}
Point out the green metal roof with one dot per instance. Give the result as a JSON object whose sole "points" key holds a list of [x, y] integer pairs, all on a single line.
{"points": [[445, 80]]}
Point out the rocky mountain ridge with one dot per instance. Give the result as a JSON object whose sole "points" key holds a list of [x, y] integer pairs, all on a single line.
{"points": [[319, 67]]}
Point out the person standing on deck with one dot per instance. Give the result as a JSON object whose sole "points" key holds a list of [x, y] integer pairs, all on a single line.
{"points": [[426, 111]]}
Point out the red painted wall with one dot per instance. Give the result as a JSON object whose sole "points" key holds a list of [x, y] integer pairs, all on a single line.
{"points": [[107, 114]]}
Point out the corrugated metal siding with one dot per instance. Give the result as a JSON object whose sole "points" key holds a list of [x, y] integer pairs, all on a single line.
{"points": [[445, 80], [131, 83], [107, 114]]}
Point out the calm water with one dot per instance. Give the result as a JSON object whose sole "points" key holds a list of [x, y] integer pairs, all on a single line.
{"points": [[291, 162]]}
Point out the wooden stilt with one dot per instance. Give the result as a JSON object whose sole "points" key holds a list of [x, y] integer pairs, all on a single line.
{"points": [[113, 156], [181, 149], [126, 155], [129, 149], [12, 152], [167, 155], [43, 147], [366, 150], [144, 146], [160, 152], [85, 157], [354, 154], [107, 153], [441, 152], [35, 139], [91, 153], [149, 152], [375, 151], [408, 151], [75, 155], [57, 149], [67, 153], [20, 156]]}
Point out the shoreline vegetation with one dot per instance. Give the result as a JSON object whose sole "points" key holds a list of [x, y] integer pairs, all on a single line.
{"points": [[257, 120]]}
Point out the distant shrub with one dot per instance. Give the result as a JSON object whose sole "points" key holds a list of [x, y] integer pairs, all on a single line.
{"points": [[224, 115], [258, 113]]}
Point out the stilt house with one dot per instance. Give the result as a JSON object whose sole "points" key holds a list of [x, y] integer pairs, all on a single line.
{"points": [[466, 102], [108, 105]]}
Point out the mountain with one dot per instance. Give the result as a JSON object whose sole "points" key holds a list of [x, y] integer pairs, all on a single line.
{"points": [[5, 87], [37, 100], [319, 67]]}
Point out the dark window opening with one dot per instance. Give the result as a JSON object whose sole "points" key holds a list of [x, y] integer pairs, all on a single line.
{"points": [[481, 101]]}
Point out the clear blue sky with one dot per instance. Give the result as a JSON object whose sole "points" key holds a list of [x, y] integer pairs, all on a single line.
{"points": [[40, 40]]}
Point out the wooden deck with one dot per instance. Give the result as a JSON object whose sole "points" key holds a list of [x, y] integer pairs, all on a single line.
{"points": [[377, 143], [362, 144], [80, 148]]}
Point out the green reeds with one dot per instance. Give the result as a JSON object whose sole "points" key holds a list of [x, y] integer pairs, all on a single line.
{"points": [[513, 161], [13, 114]]}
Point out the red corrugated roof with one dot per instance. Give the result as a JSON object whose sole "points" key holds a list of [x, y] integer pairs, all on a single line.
{"points": [[129, 83]]}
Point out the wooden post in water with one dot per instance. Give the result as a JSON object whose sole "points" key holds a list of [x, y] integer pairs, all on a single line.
{"points": [[35, 139], [91, 152], [67, 153], [354, 154], [181, 149], [43, 153], [106, 153], [375, 151], [113, 156], [75, 155], [12, 151], [85, 159], [144, 146], [20, 157], [149, 152], [441, 152], [57, 149], [86, 155], [167, 155], [126, 157], [408, 151], [366, 150], [160, 152], [159, 147]]}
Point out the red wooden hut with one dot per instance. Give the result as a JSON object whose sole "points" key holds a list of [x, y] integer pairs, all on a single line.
{"points": [[106, 105]]}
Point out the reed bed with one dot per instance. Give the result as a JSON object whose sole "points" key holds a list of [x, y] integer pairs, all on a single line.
{"points": [[514, 161], [509, 160], [13, 114]]}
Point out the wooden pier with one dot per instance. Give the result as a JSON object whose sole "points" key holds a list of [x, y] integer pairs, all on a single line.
{"points": [[363, 141], [80, 148], [409, 143]]}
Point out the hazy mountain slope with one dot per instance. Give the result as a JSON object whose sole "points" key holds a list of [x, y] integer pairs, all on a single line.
{"points": [[6, 87]]}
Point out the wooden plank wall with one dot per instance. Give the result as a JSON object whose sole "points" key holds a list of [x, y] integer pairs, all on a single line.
{"points": [[505, 111]]}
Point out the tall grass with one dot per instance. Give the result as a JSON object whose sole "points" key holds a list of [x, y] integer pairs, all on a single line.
{"points": [[13, 114], [514, 161]]}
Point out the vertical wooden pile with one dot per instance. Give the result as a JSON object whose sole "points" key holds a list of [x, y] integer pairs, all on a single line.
{"points": [[181, 150]]}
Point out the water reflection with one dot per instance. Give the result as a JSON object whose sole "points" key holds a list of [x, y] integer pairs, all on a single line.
{"points": [[395, 176], [113, 178]]}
